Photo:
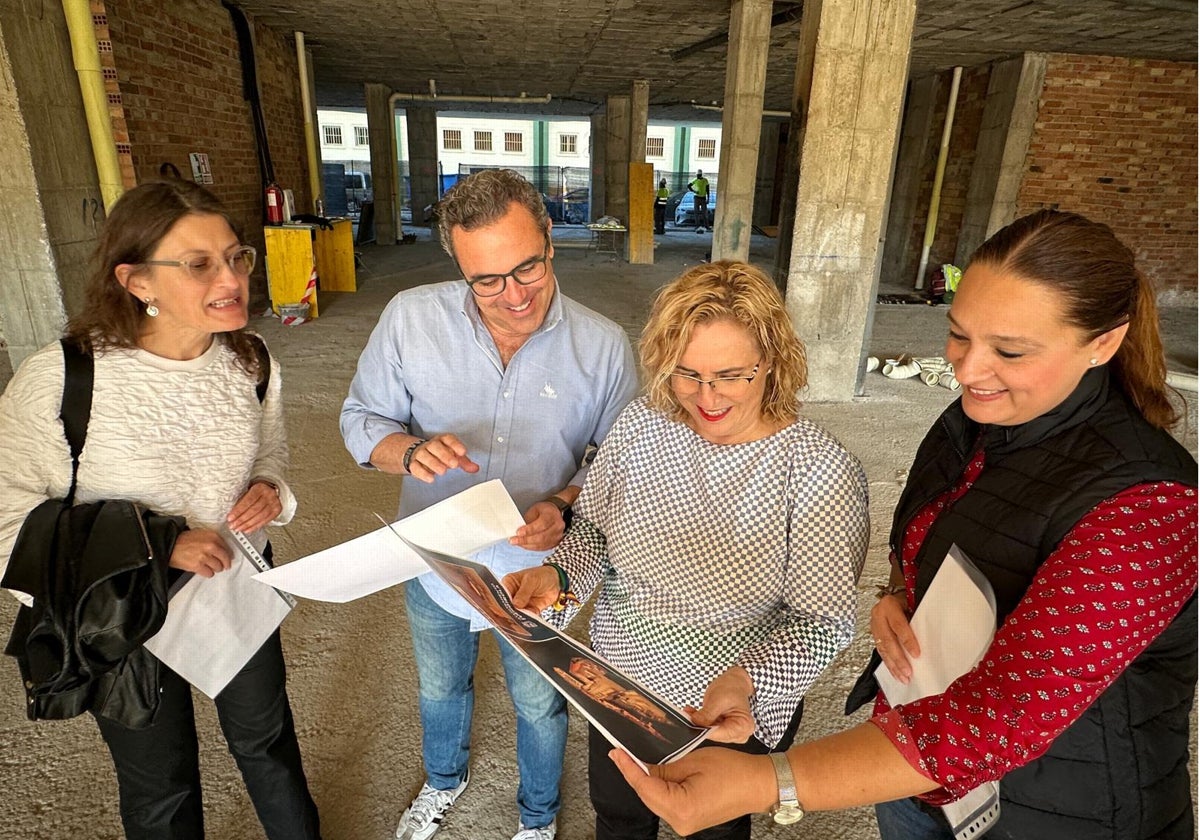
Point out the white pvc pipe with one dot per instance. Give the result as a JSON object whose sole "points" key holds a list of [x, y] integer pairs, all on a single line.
{"points": [[315, 182], [1182, 381], [939, 173]]}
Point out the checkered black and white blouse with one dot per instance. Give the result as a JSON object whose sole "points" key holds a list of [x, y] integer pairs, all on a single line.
{"points": [[709, 556]]}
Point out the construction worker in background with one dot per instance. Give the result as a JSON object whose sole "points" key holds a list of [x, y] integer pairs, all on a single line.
{"points": [[699, 186], [660, 206]]}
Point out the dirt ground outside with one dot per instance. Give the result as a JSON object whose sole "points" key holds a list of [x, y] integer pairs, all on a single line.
{"points": [[350, 671]]}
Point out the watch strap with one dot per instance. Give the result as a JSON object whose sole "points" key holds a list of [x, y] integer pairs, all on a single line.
{"points": [[787, 809]]}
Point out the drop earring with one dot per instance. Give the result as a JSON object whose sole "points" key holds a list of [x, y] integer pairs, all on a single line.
{"points": [[152, 311]]}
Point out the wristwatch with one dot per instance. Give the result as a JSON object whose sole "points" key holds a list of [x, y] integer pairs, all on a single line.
{"points": [[788, 809], [564, 508]]}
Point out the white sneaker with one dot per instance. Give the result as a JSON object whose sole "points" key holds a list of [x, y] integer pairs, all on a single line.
{"points": [[424, 816], [544, 833]]}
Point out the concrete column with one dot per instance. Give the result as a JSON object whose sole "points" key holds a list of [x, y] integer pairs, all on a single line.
{"points": [[51, 207], [422, 160], [381, 131], [639, 117], [616, 158], [915, 134], [599, 166], [859, 71], [1009, 112], [810, 22], [741, 124], [766, 197]]}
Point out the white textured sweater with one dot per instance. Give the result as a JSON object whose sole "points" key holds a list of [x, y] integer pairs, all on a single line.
{"points": [[181, 438]]}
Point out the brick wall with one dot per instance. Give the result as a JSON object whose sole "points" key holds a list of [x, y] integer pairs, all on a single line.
{"points": [[968, 116], [1115, 140], [180, 78]]}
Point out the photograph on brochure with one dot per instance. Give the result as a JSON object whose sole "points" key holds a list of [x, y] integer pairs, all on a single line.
{"points": [[629, 715]]}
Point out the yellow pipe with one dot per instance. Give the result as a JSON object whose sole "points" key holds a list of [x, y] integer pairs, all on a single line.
{"points": [[936, 199], [95, 99], [310, 134]]}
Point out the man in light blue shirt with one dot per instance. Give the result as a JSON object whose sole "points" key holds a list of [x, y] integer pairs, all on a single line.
{"points": [[500, 378]]}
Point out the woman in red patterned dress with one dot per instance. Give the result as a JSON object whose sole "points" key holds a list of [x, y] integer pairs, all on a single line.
{"points": [[1055, 474]]}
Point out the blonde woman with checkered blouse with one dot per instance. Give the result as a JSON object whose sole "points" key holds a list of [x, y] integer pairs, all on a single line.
{"points": [[725, 533]]}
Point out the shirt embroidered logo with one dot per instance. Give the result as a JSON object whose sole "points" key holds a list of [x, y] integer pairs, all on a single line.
{"points": [[548, 392]]}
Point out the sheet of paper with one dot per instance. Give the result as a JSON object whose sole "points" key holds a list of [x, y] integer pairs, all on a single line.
{"points": [[954, 625], [214, 625], [463, 524]]}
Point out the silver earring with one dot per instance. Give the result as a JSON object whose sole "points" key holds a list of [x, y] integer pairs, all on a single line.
{"points": [[1094, 362], [152, 311]]}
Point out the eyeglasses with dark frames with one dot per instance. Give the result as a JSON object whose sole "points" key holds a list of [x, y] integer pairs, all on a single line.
{"points": [[729, 386], [206, 268], [526, 274]]}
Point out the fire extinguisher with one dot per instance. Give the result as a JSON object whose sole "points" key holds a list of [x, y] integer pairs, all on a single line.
{"points": [[274, 204]]}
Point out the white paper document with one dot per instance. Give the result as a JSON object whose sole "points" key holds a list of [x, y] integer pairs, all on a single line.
{"points": [[461, 525], [214, 625], [954, 626]]}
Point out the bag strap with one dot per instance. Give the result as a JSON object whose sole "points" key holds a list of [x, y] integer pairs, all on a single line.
{"points": [[264, 367], [76, 410]]}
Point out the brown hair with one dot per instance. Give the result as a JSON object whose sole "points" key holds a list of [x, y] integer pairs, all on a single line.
{"points": [[111, 316], [1094, 273], [480, 199], [724, 291]]}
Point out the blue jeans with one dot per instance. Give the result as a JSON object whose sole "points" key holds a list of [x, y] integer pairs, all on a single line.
{"points": [[446, 651], [903, 819]]}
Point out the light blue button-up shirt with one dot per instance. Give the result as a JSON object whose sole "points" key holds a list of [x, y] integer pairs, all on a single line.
{"points": [[431, 367]]}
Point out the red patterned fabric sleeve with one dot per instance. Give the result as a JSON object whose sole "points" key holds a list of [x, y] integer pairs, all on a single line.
{"points": [[1113, 584]]}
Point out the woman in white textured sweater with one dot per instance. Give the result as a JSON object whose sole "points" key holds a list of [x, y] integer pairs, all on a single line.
{"points": [[723, 532], [179, 425]]}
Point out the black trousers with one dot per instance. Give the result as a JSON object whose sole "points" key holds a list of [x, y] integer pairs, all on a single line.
{"points": [[660, 218], [702, 211], [158, 769], [620, 815]]}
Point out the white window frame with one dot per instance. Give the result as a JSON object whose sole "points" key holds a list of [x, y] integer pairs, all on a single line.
{"points": [[332, 134], [362, 136], [483, 140], [568, 144], [514, 142], [452, 139], [706, 148], [656, 147]]}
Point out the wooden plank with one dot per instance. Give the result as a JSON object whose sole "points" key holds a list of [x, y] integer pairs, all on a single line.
{"points": [[335, 257], [289, 264], [641, 213]]}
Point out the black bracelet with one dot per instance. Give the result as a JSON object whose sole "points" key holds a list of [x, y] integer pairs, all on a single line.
{"points": [[411, 451]]}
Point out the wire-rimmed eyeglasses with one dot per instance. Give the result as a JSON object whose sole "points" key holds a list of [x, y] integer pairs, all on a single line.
{"points": [[526, 274], [729, 386], [205, 268]]}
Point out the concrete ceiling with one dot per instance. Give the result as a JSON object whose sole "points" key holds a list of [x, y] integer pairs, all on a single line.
{"points": [[579, 52]]}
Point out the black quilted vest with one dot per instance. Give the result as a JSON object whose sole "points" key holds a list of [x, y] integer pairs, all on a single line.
{"points": [[1120, 771]]}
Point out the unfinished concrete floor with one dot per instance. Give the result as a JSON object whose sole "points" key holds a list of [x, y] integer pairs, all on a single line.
{"points": [[351, 677]]}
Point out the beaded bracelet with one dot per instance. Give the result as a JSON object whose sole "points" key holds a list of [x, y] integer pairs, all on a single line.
{"points": [[411, 451], [566, 597]]}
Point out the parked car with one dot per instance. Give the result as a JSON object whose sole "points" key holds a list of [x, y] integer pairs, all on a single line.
{"points": [[358, 190], [685, 209]]}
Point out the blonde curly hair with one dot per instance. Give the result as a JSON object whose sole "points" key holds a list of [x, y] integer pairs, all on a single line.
{"points": [[724, 290]]}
